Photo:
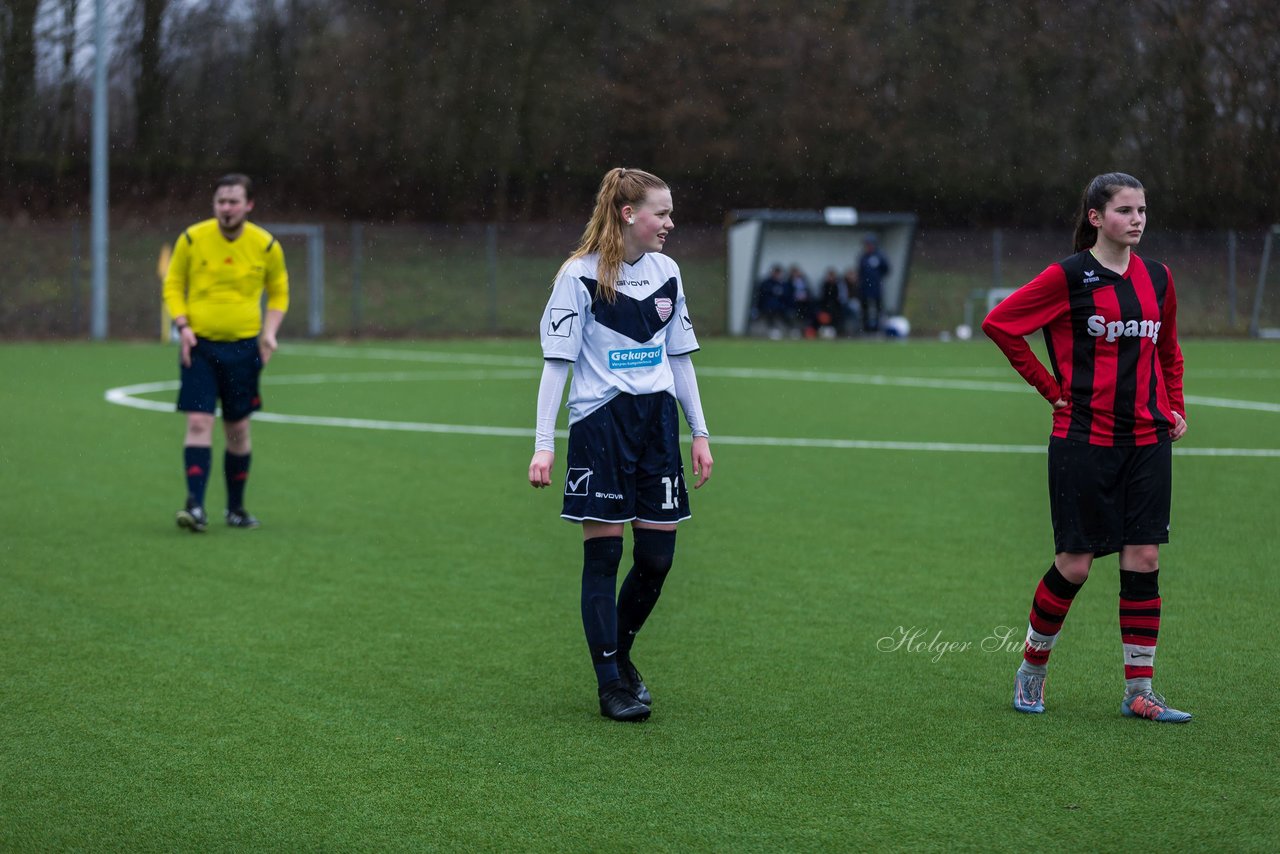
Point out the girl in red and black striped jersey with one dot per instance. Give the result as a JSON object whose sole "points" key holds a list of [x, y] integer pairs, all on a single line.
{"points": [[1109, 324]]}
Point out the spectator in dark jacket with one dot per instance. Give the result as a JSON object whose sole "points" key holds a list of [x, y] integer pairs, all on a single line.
{"points": [[775, 299], [832, 297], [872, 269]]}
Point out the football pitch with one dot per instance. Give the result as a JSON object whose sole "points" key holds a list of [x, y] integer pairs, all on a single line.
{"points": [[395, 659]]}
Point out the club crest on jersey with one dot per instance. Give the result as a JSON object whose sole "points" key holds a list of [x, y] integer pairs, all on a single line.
{"points": [[1114, 329], [663, 305], [636, 357]]}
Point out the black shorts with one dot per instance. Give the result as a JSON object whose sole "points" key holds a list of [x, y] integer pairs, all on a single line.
{"points": [[222, 370], [1103, 499], [624, 463]]}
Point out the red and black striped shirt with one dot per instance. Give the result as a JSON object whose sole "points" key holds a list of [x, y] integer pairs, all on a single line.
{"points": [[1112, 340]]}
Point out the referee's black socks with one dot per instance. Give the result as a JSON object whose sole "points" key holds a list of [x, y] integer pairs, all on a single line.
{"points": [[600, 559], [196, 460], [653, 554], [235, 468]]}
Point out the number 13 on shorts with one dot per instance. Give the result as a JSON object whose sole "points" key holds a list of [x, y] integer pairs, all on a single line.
{"points": [[670, 487]]}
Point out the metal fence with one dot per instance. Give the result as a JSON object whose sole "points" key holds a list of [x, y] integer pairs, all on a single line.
{"points": [[1215, 273], [417, 280]]}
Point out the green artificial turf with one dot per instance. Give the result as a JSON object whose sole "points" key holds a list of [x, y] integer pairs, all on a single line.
{"points": [[394, 661]]}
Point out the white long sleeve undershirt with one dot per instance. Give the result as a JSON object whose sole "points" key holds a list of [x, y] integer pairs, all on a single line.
{"points": [[550, 391], [687, 393]]}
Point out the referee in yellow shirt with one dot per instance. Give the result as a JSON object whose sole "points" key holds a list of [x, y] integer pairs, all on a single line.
{"points": [[213, 290]]}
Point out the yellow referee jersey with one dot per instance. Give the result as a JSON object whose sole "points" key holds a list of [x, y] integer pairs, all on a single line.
{"points": [[218, 283]]}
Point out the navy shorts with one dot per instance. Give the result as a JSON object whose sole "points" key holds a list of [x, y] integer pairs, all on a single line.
{"points": [[1103, 499], [222, 370], [624, 463]]}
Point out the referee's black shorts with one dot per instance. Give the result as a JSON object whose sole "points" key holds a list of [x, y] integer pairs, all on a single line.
{"points": [[222, 370], [1103, 499]]}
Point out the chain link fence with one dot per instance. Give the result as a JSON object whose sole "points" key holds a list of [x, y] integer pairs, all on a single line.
{"points": [[417, 280]]}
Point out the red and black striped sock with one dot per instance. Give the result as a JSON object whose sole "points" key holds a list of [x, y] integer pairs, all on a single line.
{"points": [[1139, 622], [1049, 608]]}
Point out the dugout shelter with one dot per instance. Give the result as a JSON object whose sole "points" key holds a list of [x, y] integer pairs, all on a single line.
{"points": [[815, 240]]}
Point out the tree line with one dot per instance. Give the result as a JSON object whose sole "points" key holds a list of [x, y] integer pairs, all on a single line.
{"points": [[965, 111]]}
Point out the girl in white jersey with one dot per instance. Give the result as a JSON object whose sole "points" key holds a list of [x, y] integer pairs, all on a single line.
{"points": [[617, 315]]}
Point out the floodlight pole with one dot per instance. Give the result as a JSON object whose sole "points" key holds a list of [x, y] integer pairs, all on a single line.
{"points": [[997, 252], [491, 270], [1231, 277], [98, 321]]}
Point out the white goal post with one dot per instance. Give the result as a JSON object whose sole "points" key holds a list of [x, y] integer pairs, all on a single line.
{"points": [[1255, 321], [315, 268], [815, 240]]}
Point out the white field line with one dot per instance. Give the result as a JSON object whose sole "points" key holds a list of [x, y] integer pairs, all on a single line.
{"points": [[395, 354], [889, 380], [527, 368]]}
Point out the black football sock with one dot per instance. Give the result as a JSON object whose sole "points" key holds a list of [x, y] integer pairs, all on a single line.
{"points": [[236, 470], [600, 559], [653, 554], [197, 460]]}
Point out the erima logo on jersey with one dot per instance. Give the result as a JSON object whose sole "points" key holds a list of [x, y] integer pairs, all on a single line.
{"points": [[1100, 326], [1091, 276], [638, 357]]}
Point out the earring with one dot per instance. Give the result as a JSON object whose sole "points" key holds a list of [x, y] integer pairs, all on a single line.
{"points": [[631, 220]]}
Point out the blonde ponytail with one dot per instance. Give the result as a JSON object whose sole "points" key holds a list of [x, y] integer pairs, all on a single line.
{"points": [[603, 234]]}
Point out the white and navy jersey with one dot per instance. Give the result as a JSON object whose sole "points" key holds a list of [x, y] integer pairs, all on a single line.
{"points": [[620, 346]]}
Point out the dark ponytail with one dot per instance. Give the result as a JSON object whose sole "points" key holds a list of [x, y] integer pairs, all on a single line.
{"points": [[1095, 198]]}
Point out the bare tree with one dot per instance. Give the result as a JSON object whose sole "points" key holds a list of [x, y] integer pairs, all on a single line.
{"points": [[17, 79], [463, 109], [150, 81]]}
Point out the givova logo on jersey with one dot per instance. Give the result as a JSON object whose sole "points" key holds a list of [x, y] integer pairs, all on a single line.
{"points": [[1115, 329]]}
